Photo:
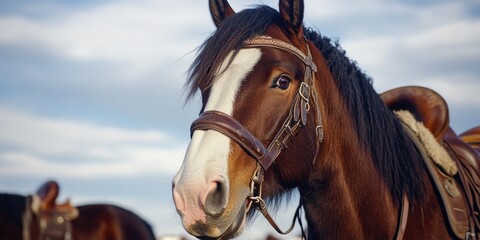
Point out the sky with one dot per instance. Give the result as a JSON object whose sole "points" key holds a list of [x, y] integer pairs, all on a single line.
{"points": [[91, 91]]}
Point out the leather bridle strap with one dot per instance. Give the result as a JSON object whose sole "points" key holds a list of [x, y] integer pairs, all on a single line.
{"points": [[228, 126], [402, 218], [266, 41]]}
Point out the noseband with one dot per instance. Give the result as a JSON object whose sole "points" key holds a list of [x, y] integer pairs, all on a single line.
{"points": [[296, 119]]}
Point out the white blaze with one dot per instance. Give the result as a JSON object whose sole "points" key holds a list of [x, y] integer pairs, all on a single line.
{"points": [[207, 155]]}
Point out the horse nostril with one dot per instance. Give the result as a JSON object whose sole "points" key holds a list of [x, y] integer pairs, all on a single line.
{"points": [[178, 201], [217, 198]]}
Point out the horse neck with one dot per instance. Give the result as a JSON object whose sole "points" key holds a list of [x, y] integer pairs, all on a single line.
{"points": [[342, 197], [344, 189]]}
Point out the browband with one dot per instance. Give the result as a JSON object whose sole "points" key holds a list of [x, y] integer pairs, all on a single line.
{"points": [[266, 41]]}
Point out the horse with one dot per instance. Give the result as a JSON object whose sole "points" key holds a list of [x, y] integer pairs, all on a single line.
{"points": [[23, 217], [283, 110]]}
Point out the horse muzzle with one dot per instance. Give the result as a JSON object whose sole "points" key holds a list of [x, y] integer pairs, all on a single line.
{"points": [[211, 213], [222, 227]]}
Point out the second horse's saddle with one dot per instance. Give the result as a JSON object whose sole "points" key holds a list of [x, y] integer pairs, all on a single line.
{"points": [[460, 192], [53, 219], [47, 195]]}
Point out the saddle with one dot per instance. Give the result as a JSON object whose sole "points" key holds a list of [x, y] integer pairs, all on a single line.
{"points": [[458, 190], [472, 137], [54, 219]]}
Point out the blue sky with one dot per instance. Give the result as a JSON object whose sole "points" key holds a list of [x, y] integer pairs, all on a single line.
{"points": [[91, 92]]}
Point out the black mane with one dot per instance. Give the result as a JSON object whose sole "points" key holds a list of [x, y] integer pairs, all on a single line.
{"points": [[393, 153]]}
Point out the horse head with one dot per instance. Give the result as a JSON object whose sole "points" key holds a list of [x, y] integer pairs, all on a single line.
{"points": [[284, 108], [256, 77]]}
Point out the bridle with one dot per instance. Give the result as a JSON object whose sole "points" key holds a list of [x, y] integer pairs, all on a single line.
{"points": [[297, 116], [296, 119]]}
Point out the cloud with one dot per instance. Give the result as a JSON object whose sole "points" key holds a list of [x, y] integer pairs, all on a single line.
{"points": [[422, 13], [118, 64], [138, 35], [435, 46], [40, 146], [111, 60], [435, 58]]}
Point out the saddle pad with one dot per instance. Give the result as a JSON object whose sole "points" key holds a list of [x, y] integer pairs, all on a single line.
{"points": [[434, 150]]}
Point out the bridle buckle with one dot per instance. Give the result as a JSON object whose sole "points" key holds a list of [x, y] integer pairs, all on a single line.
{"points": [[304, 91]]}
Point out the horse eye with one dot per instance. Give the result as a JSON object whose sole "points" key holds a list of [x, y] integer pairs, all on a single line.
{"points": [[281, 82]]}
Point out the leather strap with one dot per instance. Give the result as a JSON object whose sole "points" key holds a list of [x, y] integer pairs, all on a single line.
{"points": [[27, 218], [403, 218], [263, 209], [266, 41], [228, 126]]}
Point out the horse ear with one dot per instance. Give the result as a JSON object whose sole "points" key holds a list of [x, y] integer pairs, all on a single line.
{"points": [[220, 10], [291, 12]]}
